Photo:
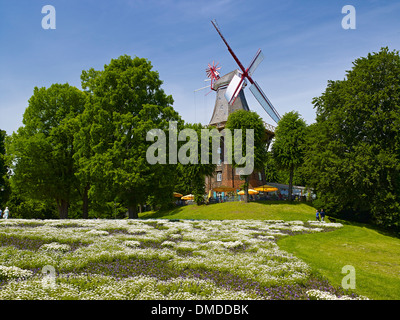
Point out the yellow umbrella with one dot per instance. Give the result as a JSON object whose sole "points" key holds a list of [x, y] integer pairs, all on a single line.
{"points": [[251, 191], [266, 188], [188, 197], [177, 195]]}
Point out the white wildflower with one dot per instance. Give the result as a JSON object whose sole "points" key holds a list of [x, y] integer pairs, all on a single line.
{"points": [[323, 295], [97, 232], [14, 272], [168, 244], [132, 243], [55, 246]]}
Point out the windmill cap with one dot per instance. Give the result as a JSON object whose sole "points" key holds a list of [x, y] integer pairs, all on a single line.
{"points": [[226, 79]]}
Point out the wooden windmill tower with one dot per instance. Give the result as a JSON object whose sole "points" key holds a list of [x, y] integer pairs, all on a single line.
{"points": [[229, 98]]}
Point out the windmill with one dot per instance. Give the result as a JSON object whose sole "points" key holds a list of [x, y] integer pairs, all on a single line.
{"points": [[230, 98], [238, 80]]}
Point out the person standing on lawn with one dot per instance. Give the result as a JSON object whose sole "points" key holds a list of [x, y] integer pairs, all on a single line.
{"points": [[6, 212], [317, 215], [322, 214]]}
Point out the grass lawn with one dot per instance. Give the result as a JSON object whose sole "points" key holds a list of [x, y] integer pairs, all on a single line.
{"points": [[374, 255], [262, 210]]}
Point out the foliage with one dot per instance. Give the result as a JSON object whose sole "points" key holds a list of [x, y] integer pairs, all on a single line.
{"points": [[242, 119], [288, 147], [272, 173], [277, 175], [126, 101], [41, 152], [87, 150], [190, 177], [26, 208], [4, 185], [353, 153]]}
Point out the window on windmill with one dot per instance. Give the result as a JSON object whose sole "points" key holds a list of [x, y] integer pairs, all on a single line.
{"points": [[219, 176], [260, 176]]}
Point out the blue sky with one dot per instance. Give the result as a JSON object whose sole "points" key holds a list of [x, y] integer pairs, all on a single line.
{"points": [[303, 42]]}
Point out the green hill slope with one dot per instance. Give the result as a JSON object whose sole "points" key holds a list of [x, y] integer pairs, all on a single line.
{"points": [[262, 210], [374, 255]]}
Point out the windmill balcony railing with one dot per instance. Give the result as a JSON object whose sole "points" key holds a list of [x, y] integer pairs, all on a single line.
{"points": [[269, 127]]}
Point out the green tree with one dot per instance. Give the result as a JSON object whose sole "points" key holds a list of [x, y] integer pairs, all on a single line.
{"points": [[82, 143], [126, 101], [27, 208], [190, 177], [272, 173], [42, 150], [3, 169], [278, 175], [288, 147], [242, 119], [353, 154]]}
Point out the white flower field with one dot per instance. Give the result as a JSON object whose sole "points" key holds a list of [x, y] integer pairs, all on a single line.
{"points": [[156, 259]]}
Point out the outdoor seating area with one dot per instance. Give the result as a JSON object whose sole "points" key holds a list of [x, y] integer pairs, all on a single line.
{"points": [[271, 191]]}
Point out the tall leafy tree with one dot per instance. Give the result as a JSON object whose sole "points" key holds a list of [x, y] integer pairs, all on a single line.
{"points": [[82, 142], [353, 156], [191, 176], [3, 169], [42, 150], [242, 119], [288, 147], [126, 101], [279, 175]]}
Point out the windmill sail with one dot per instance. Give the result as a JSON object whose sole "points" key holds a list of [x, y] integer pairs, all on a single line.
{"points": [[236, 84], [259, 57], [234, 88], [264, 101]]}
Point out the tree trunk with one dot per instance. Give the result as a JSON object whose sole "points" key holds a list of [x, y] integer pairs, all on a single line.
{"points": [[62, 206], [291, 184], [132, 212], [85, 206], [246, 189]]}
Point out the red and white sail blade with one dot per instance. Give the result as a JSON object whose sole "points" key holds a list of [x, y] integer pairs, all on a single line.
{"points": [[234, 88], [258, 58], [264, 101], [214, 23]]}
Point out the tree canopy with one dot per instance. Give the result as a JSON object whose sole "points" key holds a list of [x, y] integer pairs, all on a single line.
{"points": [[243, 120], [42, 150], [90, 147], [3, 168], [125, 102], [190, 177], [353, 149], [288, 147]]}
